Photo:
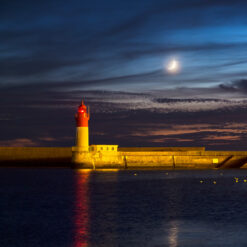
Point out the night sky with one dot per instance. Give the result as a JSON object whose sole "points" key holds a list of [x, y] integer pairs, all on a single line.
{"points": [[115, 55]]}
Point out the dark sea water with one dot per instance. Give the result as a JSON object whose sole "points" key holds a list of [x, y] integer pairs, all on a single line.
{"points": [[63, 207]]}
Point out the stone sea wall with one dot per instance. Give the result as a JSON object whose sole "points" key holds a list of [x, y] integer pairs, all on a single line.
{"points": [[124, 158], [35, 156], [140, 158]]}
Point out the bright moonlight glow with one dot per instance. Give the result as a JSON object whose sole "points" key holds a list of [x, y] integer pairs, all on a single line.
{"points": [[172, 66]]}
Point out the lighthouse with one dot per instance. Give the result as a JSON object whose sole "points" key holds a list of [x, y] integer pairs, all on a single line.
{"points": [[94, 156], [82, 137]]}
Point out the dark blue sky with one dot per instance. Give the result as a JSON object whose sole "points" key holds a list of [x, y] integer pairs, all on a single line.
{"points": [[114, 53]]}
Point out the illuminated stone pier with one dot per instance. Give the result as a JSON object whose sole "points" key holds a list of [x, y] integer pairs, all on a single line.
{"points": [[134, 158], [99, 157]]}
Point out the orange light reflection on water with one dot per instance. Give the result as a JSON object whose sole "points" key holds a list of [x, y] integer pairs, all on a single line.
{"points": [[82, 216]]}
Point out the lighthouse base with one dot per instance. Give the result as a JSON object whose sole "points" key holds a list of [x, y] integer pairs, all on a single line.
{"points": [[98, 156], [81, 158]]}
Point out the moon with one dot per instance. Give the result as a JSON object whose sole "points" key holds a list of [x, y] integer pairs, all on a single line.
{"points": [[172, 66]]}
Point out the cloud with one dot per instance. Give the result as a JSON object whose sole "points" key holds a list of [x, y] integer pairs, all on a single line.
{"points": [[176, 130], [151, 49], [53, 48], [241, 84], [224, 138], [227, 87], [235, 86], [126, 119], [19, 142]]}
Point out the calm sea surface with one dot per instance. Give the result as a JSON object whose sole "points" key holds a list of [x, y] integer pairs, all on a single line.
{"points": [[63, 207]]}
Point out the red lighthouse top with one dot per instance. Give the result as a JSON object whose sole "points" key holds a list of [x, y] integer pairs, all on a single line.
{"points": [[82, 116]]}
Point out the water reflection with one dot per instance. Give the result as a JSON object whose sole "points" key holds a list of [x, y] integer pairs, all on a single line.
{"points": [[104, 208], [96, 208], [107, 209], [82, 216], [173, 234]]}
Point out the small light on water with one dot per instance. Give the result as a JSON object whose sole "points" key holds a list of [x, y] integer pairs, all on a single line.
{"points": [[201, 181], [245, 180], [214, 182]]}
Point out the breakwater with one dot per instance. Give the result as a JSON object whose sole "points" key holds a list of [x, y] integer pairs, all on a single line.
{"points": [[186, 159], [104, 156], [123, 158], [35, 156]]}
